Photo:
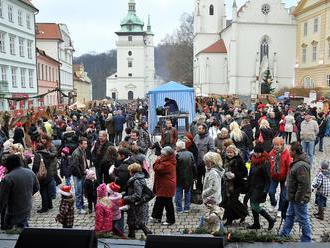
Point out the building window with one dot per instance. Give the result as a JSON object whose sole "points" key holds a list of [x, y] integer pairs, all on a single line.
{"points": [[28, 21], [316, 25], [304, 55], [308, 82], [39, 73], [14, 77], [314, 55], [2, 42], [264, 48], [21, 47], [46, 72], [50, 74], [19, 18], [53, 75], [31, 78], [12, 45], [211, 10], [10, 13], [130, 95], [130, 64], [42, 72], [305, 28], [130, 53], [113, 95], [130, 38], [23, 71], [328, 80], [3, 73], [29, 49], [1, 9], [130, 74]]}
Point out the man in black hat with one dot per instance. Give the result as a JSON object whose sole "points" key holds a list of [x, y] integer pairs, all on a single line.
{"points": [[171, 105], [16, 191]]}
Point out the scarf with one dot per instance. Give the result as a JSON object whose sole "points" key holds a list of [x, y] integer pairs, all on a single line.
{"points": [[260, 160], [277, 162]]}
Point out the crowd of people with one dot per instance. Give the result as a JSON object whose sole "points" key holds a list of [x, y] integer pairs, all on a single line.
{"points": [[230, 159]]}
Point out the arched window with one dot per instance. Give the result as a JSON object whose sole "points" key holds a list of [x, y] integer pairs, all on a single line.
{"points": [[264, 48], [130, 95], [113, 96], [211, 9], [308, 82]]}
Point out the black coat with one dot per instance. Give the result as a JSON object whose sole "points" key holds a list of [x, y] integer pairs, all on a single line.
{"points": [[90, 190], [268, 137], [185, 169], [18, 136], [322, 127], [235, 165], [66, 166]]}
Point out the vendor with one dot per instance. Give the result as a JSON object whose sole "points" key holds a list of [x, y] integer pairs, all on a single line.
{"points": [[171, 105]]}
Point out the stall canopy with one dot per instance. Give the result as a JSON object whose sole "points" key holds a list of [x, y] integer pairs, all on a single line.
{"points": [[183, 95]]}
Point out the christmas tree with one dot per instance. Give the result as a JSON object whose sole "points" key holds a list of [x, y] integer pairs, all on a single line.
{"points": [[266, 85]]}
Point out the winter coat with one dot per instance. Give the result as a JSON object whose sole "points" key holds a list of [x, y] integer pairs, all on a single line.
{"points": [[309, 130], [204, 144], [137, 214], [116, 200], [247, 129], [173, 136], [103, 215], [236, 166], [103, 158], [299, 180], [118, 123], [66, 166], [50, 161], [286, 161], [165, 176], [322, 183], [70, 139], [259, 178], [327, 133], [289, 123], [212, 185], [16, 191], [79, 163], [109, 125], [322, 127], [243, 144], [121, 174], [185, 169], [66, 215], [34, 134], [219, 141], [90, 190], [268, 137]]}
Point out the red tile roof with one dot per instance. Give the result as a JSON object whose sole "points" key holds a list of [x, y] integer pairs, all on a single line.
{"points": [[218, 47], [48, 31]]}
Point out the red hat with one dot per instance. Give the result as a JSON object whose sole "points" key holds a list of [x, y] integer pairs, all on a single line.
{"points": [[19, 124], [114, 187], [65, 190]]}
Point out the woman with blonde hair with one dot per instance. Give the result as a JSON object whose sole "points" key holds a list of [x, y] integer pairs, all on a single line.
{"points": [[240, 139], [266, 135]]}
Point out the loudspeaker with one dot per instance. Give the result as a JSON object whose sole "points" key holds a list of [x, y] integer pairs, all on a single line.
{"points": [[184, 241], [56, 238]]}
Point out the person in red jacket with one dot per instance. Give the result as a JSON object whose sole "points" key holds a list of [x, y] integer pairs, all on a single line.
{"points": [[164, 186], [280, 164]]}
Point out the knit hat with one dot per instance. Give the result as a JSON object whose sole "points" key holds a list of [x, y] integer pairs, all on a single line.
{"points": [[19, 124], [114, 187], [66, 150], [90, 175], [325, 165], [65, 190], [102, 190], [259, 148]]}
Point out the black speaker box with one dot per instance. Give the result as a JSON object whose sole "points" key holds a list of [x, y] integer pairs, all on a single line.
{"points": [[56, 238], [184, 241]]}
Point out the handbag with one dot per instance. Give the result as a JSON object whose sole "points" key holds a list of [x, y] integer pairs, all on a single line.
{"points": [[147, 195], [42, 171], [196, 195]]}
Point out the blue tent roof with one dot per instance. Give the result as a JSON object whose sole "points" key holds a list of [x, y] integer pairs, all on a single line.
{"points": [[171, 86]]}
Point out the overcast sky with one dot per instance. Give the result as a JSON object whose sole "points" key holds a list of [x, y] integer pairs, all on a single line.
{"points": [[92, 23]]}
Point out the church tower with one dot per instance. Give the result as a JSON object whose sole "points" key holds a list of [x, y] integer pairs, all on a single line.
{"points": [[135, 75], [209, 20]]}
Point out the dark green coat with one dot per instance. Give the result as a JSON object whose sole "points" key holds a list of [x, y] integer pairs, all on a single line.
{"points": [[185, 169]]}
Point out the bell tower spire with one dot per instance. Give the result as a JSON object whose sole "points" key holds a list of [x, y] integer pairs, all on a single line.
{"points": [[131, 6]]}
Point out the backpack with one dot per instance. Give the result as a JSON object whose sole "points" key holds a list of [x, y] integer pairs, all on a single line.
{"points": [[42, 171], [147, 195]]}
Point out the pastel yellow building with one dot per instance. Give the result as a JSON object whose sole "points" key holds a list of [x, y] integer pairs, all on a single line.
{"points": [[313, 44], [82, 84]]}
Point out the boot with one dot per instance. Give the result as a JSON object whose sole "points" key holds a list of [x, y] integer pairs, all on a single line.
{"points": [[146, 230], [131, 232], [256, 222], [271, 221], [320, 214]]}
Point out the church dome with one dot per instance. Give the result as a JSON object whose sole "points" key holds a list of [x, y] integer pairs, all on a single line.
{"points": [[131, 23]]}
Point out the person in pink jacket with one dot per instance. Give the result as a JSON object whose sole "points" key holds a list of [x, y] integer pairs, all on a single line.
{"points": [[116, 202], [103, 210]]}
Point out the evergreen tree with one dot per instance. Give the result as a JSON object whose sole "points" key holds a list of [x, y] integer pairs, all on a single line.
{"points": [[266, 85]]}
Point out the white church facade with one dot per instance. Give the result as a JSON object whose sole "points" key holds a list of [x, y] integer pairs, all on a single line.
{"points": [[135, 75], [234, 56]]}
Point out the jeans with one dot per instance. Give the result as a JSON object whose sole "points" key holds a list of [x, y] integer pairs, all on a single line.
{"points": [[309, 149], [79, 192], [160, 204], [178, 199], [320, 200], [298, 212], [118, 137], [272, 192]]}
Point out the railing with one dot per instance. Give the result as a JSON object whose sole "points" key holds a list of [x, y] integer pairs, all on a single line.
{"points": [[4, 87]]}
